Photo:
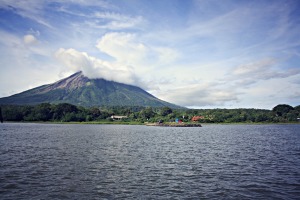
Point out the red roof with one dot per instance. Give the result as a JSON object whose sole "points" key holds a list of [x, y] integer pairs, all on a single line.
{"points": [[196, 118]]}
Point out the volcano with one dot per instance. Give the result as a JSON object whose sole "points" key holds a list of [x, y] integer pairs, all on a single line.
{"points": [[79, 90]]}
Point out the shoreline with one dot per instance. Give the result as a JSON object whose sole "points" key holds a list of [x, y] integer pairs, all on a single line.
{"points": [[150, 124], [174, 124]]}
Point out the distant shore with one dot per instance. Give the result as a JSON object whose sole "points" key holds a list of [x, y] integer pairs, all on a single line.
{"points": [[153, 124], [174, 124]]}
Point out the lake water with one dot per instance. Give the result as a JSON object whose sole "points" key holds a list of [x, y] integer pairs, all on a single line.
{"points": [[52, 161]]}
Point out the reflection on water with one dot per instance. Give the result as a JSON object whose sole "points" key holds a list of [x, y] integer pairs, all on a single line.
{"points": [[48, 161]]}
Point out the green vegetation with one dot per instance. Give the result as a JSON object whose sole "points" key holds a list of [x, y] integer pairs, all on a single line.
{"points": [[81, 91], [65, 112]]}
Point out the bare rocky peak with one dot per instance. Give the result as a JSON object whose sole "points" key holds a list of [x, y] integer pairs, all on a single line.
{"points": [[72, 82]]}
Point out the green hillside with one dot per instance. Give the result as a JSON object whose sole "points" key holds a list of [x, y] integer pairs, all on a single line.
{"points": [[82, 91]]}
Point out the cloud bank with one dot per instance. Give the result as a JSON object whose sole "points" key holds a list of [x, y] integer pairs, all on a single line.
{"points": [[130, 59], [95, 68], [126, 48]]}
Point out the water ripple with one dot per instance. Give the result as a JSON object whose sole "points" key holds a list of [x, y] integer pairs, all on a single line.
{"points": [[46, 161]]}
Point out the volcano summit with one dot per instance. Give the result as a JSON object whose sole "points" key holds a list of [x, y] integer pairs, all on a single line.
{"points": [[82, 91]]}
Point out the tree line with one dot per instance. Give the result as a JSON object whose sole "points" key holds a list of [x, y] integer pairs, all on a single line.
{"points": [[65, 112]]}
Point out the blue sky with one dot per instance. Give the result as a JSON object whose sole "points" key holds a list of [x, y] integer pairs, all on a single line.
{"points": [[194, 53]]}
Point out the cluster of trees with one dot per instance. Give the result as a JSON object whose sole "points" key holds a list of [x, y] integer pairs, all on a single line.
{"points": [[65, 112]]}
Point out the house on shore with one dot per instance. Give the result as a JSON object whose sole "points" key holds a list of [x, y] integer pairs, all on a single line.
{"points": [[196, 118], [118, 117]]}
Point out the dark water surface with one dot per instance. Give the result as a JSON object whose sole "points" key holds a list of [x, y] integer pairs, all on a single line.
{"points": [[50, 161]]}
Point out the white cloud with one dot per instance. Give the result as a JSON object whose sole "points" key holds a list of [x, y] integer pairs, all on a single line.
{"points": [[126, 48], [123, 47], [147, 60], [166, 55], [261, 70], [254, 68], [20, 49], [36, 9], [30, 39], [89, 3], [92, 67], [31, 9], [197, 95], [118, 21]]}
